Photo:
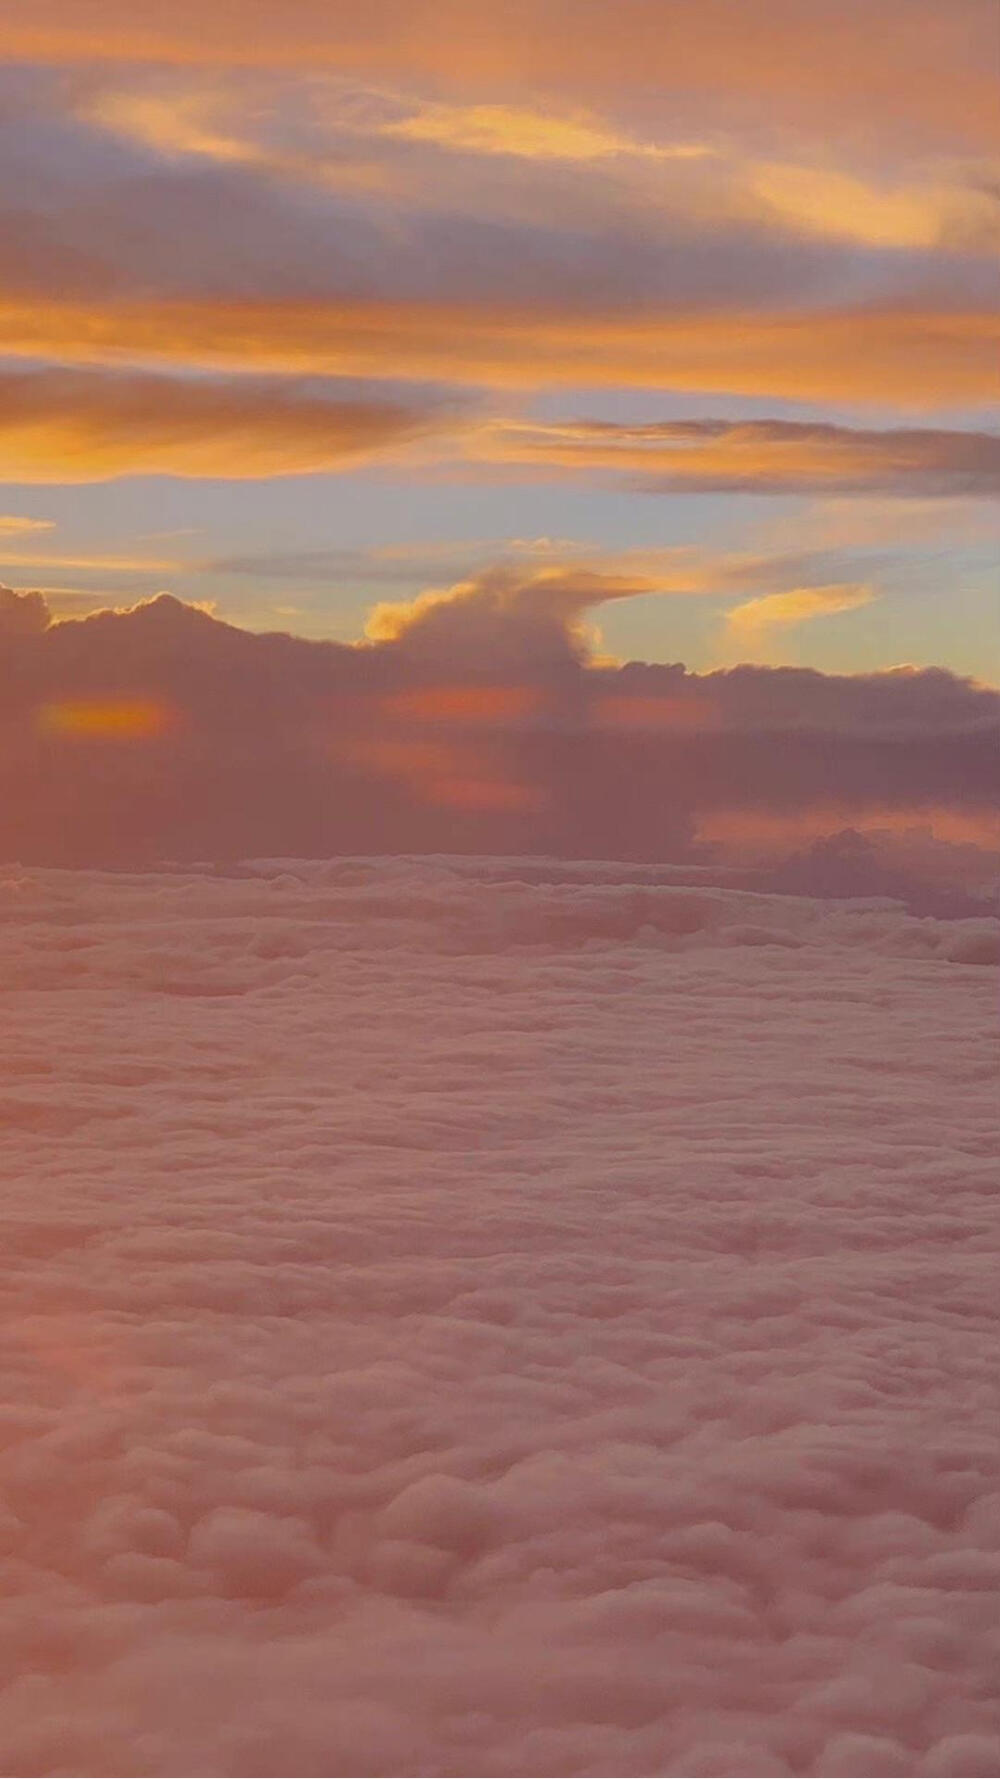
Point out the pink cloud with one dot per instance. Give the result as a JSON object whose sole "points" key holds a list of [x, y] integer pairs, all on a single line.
{"points": [[496, 1317]]}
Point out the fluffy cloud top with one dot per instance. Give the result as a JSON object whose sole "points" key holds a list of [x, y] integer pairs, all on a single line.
{"points": [[505, 616], [494, 1318]]}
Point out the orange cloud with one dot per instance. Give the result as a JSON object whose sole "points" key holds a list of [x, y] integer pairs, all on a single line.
{"points": [[912, 356], [748, 623], [524, 133], [444, 776], [467, 706], [769, 830], [497, 796], [289, 748], [13, 525], [828, 201], [510, 614], [755, 455], [640, 715], [173, 123], [107, 719], [825, 68], [61, 425], [348, 132], [90, 564]]}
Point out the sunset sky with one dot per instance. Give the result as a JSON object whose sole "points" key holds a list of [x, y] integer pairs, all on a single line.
{"points": [[499, 702], [312, 307]]}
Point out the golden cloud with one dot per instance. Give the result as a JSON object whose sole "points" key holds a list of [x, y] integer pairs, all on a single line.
{"points": [[63, 425], [524, 133], [14, 525], [107, 719], [822, 68], [87, 563], [796, 606], [755, 455], [910, 355], [346, 131]]}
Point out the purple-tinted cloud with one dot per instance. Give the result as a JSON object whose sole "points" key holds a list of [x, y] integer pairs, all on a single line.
{"points": [[478, 724]]}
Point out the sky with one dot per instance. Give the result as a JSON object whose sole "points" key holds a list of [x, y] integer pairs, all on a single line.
{"points": [[499, 700], [308, 308]]}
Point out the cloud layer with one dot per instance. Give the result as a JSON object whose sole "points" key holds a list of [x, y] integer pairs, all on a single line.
{"points": [[758, 456], [467, 1317], [914, 357], [64, 425], [475, 719], [824, 67]]}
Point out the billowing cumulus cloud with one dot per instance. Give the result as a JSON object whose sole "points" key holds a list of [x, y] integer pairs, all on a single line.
{"points": [[22, 614], [530, 617], [494, 1317], [472, 720], [62, 425]]}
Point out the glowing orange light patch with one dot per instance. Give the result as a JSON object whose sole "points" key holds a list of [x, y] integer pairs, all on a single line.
{"points": [[118, 719], [769, 828], [406, 759], [463, 705], [495, 794], [435, 773], [644, 714]]}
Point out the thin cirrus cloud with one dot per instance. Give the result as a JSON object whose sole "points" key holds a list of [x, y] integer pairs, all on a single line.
{"points": [[117, 564], [19, 525], [906, 67], [64, 424], [344, 137], [332, 222], [534, 135], [754, 620], [530, 576], [224, 122], [915, 357], [67, 425], [303, 187], [758, 456]]}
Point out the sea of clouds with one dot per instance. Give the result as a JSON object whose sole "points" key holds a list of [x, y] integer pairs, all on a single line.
{"points": [[470, 1316]]}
